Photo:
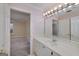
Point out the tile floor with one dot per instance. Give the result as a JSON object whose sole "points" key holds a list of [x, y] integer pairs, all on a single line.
{"points": [[20, 47]]}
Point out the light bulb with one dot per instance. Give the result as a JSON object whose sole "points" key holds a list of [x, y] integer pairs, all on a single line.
{"points": [[48, 12], [60, 6], [69, 6], [51, 10], [64, 9], [55, 8]]}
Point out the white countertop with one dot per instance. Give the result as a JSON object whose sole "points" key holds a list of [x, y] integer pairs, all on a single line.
{"points": [[62, 46]]}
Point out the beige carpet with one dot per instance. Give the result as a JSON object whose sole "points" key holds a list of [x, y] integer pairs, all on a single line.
{"points": [[20, 47]]}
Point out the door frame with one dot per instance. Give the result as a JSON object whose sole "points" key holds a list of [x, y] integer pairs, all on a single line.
{"points": [[17, 9]]}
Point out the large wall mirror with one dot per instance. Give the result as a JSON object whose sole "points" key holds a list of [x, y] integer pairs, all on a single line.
{"points": [[60, 29], [75, 28], [66, 26], [48, 27]]}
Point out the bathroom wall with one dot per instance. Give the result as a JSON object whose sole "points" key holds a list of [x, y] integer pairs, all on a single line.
{"points": [[5, 28], [2, 26]]}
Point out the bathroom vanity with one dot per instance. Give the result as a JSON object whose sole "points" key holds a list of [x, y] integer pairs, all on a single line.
{"points": [[64, 42], [46, 47]]}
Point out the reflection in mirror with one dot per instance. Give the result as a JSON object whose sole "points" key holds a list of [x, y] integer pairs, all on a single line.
{"points": [[61, 28], [54, 27], [48, 27], [75, 28]]}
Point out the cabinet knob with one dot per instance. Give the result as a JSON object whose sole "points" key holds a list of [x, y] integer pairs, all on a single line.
{"points": [[52, 53]]}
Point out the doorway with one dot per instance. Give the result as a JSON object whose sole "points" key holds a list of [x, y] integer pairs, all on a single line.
{"points": [[19, 33]]}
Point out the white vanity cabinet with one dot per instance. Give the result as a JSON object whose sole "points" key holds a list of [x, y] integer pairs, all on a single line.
{"points": [[42, 50]]}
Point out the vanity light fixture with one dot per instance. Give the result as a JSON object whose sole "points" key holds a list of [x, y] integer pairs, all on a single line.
{"points": [[76, 3], [64, 9], [48, 12], [45, 14], [55, 8], [60, 8]]}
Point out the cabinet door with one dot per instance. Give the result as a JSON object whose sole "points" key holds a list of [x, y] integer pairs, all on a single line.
{"points": [[36, 48], [44, 51], [41, 50], [55, 54]]}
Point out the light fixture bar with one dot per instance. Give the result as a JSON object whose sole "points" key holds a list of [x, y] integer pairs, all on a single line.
{"points": [[59, 9]]}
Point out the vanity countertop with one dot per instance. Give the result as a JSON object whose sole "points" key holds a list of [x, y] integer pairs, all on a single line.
{"points": [[62, 46]]}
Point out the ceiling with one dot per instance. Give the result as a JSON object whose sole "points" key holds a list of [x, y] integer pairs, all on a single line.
{"points": [[19, 16], [45, 6]]}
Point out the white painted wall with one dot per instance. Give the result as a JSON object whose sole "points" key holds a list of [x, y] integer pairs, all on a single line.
{"points": [[7, 28], [4, 28], [1, 26]]}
